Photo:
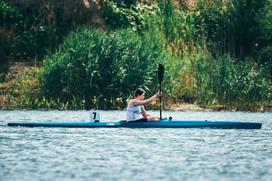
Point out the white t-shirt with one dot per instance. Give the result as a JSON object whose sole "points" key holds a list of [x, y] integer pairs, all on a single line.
{"points": [[134, 113]]}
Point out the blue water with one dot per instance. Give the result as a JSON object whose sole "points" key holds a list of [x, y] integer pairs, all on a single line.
{"points": [[134, 154]]}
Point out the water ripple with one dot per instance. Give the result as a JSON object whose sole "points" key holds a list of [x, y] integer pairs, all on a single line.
{"points": [[133, 154]]}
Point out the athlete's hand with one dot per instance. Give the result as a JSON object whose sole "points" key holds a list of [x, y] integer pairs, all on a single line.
{"points": [[159, 94]]}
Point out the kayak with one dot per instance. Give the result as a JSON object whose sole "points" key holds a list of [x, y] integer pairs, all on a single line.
{"points": [[164, 123]]}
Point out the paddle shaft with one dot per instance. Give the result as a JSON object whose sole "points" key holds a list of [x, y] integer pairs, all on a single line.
{"points": [[160, 102], [160, 77]]}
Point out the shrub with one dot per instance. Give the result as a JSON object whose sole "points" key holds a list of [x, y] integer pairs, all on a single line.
{"points": [[102, 68], [24, 90], [124, 14]]}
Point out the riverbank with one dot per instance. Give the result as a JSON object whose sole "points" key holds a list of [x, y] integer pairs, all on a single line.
{"points": [[213, 108], [20, 85], [99, 63]]}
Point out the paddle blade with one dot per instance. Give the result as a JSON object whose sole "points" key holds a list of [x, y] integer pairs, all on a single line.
{"points": [[160, 73]]}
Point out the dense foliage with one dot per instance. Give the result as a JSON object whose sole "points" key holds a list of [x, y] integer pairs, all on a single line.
{"points": [[215, 52], [34, 28], [101, 69]]}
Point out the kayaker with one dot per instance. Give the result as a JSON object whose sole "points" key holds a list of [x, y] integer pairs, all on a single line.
{"points": [[136, 110]]}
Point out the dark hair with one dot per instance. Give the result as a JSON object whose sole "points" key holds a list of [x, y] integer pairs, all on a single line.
{"points": [[138, 92]]}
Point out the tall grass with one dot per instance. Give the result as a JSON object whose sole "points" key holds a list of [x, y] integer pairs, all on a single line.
{"points": [[203, 68], [243, 85], [102, 68]]}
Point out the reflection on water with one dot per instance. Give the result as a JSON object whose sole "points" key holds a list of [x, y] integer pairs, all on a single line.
{"points": [[134, 154]]}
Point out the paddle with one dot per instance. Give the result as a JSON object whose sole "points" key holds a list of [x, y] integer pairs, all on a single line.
{"points": [[160, 77]]}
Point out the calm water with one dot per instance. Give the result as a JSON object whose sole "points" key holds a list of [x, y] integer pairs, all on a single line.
{"points": [[134, 154]]}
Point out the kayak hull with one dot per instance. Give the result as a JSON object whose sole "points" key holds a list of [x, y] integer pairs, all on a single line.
{"points": [[157, 124]]}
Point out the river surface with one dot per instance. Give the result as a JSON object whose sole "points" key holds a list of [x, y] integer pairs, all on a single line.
{"points": [[134, 154]]}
